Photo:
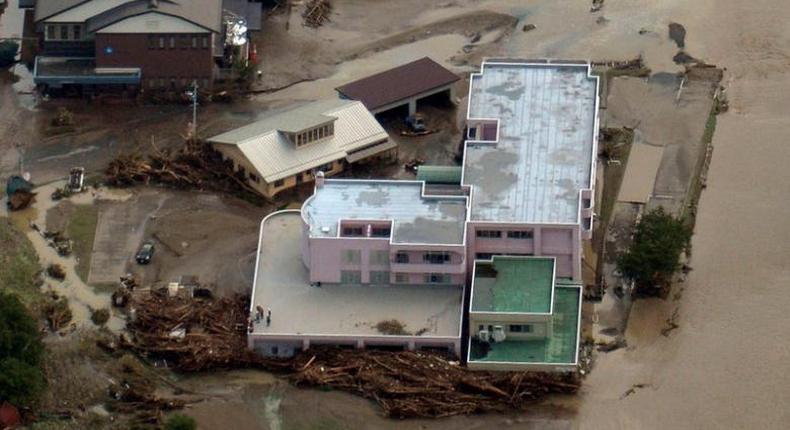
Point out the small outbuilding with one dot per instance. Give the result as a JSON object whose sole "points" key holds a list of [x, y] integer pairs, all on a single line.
{"points": [[403, 85]]}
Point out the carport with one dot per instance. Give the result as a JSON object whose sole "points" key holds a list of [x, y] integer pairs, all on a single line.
{"points": [[403, 85]]}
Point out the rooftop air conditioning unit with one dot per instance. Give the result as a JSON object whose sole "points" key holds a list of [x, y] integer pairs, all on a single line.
{"points": [[483, 335], [499, 334]]}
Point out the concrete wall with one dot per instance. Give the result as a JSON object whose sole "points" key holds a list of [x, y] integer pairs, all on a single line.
{"points": [[553, 240], [181, 62], [520, 367], [287, 345]]}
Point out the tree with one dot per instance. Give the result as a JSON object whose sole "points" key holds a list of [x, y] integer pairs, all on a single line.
{"points": [[180, 422], [653, 257], [21, 378]]}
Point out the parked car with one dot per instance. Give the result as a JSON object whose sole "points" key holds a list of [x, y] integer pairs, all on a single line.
{"points": [[145, 253], [416, 123]]}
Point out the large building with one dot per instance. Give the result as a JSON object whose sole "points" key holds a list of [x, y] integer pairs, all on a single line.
{"points": [[128, 45], [511, 231], [287, 149]]}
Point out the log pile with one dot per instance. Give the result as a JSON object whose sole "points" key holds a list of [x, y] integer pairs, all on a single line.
{"points": [[316, 13], [193, 166], [192, 334], [417, 384]]}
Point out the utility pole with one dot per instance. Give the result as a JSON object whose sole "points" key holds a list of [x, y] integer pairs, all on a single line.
{"points": [[194, 108]]}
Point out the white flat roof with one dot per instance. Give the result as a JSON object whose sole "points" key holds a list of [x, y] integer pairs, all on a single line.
{"points": [[282, 284], [545, 151], [416, 218]]}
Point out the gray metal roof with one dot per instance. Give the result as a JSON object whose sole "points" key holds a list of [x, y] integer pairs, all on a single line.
{"points": [[416, 218], [544, 155], [275, 157], [205, 13]]}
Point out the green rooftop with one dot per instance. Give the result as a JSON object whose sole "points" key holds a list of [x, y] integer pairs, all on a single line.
{"points": [[520, 284], [559, 348]]}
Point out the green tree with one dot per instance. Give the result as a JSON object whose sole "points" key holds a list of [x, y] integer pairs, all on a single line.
{"points": [[653, 257], [21, 379], [180, 422]]}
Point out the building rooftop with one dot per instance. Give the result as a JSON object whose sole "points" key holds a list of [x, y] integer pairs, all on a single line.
{"points": [[545, 150], [282, 284], [416, 218], [398, 84], [276, 157], [559, 348], [513, 284]]}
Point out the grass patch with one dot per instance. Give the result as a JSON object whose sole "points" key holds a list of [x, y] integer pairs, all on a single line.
{"points": [[81, 229], [19, 265]]}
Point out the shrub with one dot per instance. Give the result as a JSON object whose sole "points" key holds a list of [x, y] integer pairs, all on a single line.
{"points": [[180, 422], [653, 257], [8, 50], [21, 378]]}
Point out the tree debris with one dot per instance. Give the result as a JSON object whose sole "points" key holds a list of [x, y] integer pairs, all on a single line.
{"points": [[316, 13], [56, 271], [196, 165], [411, 384]]}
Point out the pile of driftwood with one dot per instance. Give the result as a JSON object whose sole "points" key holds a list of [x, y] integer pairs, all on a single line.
{"points": [[193, 166], [418, 384], [191, 334], [316, 13]]}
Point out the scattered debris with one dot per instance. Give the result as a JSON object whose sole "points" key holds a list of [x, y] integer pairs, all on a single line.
{"points": [[412, 164], [683, 58], [211, 340], [63, 118], [528, 27], [316, 13], [392, 327], [57, 312], [586, 356], [411, 384], [613, 345], [633, 389], [635, 67], [678, 34], [56, 271], [58, 241], [135, 393], [671, 323], [20, 193], [601, 20], [596, 5]]}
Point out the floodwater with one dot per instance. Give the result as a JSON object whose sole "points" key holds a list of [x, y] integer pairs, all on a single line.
{"points": [[82, 297]]}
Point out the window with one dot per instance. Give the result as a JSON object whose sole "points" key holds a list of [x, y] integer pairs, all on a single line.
{"points": [[51, 32], [485, 255], [194, 42], [350, 277], [379, 277], [401, 278], [436, 257], [437, 278], [472, 133], [326, 167], [152, 83], [151, 42], [488, 234], [402, 258], [205, 83], [254, 177], [172, 42], [351, 256], [481, 327], [161, 82], [520, 328], [184, 42], [205, 42], [279, 183], [76, 32], [64, 32], [161, 43], [353, 231], [379, 258], [380, 232], [519, 234]]}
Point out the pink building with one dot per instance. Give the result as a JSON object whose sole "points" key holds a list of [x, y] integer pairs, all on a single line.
{"points": [[526, 190]]}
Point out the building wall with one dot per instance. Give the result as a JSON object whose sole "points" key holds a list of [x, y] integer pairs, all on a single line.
{"points": [[553, 240], [541, 326], [287, 345], [169, 67]]}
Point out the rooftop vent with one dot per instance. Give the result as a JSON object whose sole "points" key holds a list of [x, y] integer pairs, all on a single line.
{"points": [[324, 229]]}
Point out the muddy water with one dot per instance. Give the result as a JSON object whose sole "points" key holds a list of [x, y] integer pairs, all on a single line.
{"points": [[82, 298]]}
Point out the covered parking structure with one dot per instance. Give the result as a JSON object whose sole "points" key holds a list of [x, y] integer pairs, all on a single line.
{"points": [[404, 85]]}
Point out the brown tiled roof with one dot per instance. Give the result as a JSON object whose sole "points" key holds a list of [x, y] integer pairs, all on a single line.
{"points": [[398, 84]]}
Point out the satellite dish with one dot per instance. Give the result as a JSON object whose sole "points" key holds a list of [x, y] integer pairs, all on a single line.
{"points": [[235, 32]]}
